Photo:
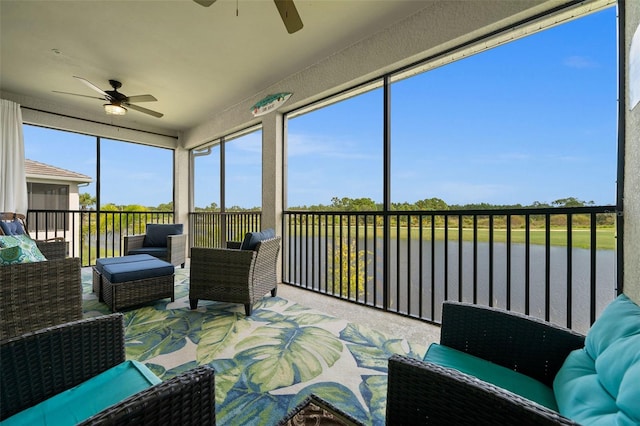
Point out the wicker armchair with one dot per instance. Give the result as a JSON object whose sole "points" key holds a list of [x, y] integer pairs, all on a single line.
{"points": [[38, 295], [421, 392], [234, 276], [164, 241], [39, 365], [52, 248]]}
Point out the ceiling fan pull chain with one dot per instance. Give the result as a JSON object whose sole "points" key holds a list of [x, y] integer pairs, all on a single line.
{"points": [[237, 8]]}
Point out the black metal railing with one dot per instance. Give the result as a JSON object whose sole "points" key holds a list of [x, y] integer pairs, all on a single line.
{"points": [[92, 234], [556, 264], [214, 229]]}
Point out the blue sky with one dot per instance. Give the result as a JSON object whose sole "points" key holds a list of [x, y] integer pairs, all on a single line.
{"points": [[533, 120]]}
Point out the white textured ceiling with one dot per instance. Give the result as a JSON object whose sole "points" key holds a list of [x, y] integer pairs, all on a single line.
{"points": [[196, 61]]}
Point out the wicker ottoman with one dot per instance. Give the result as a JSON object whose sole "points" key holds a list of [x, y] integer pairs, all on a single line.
{"points": [[128, 284], [103, 261]]}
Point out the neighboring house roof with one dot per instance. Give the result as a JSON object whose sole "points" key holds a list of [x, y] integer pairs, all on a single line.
{"points": [[35, 169]]}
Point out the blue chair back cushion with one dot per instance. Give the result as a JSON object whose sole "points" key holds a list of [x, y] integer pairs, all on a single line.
{"points": [[156, 234], [600, 384], [251, 239], [12, 228]]}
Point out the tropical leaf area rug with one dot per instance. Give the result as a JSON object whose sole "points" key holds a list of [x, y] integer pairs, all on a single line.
{"points": [[266, 364]]}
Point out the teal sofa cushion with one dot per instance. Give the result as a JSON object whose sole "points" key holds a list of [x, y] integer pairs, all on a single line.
{"points": [[89, 398], [621, 318], [600, 384], [495, 374]]}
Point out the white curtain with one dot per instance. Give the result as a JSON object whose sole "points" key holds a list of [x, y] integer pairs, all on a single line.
{"points": [[13, 181]]}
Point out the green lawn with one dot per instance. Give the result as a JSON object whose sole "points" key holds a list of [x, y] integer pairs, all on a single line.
{"points": [[581, 238]]}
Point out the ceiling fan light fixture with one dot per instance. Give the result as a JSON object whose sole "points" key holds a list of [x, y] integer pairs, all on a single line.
{"points": [[114, 109]]}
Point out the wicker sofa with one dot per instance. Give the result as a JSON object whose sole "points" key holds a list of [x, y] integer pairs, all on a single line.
{"points": [[38, 295], [496, 367], [43, 365], [242, 273], [15, 223]]}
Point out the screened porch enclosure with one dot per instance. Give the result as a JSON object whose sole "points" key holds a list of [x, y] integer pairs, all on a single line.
{"points": [[433, 126]]}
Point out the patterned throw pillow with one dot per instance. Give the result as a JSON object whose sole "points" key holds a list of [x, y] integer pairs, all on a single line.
{"points": [[11, 255], [28, 248]]}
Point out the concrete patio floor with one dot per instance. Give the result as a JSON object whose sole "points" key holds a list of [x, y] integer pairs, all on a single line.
{"points": [[414, 331]]}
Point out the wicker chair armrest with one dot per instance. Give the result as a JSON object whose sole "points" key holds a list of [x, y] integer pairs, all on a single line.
{"points": [[235, 245], [187, 399], [132, 242], [522, 343], [265, 275], [39, 295], [38, 365], [221, 265], [421, 392], [177, 248], [53, 249]]}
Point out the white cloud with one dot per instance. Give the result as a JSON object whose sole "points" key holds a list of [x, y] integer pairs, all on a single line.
{"points": [[318, 146], [580, 62]]}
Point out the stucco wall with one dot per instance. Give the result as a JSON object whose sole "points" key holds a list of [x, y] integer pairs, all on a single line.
{"points": [[632, 169]]}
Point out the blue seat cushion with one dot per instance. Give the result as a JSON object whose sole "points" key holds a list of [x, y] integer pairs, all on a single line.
{"points": [[159, 252], [495, 374], [100, 263], [251, 239], [88, 398], [124, 272], [156, 234]]}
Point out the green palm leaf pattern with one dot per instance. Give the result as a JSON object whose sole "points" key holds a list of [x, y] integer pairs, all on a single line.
{"points": [[228, 373], [374, 390], [284, 353], [242, 406], [151, 333], [218, 333], [340, 396], [265, 364], [370, 348]]}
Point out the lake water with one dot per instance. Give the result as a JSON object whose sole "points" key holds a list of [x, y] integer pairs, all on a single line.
{"points": [[415, 272]]}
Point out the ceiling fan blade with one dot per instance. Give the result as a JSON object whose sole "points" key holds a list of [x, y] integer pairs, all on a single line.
{"points": [[140, 98], [76, 94], [289, 15], [143, 110], [205, 3], [94, 87]]}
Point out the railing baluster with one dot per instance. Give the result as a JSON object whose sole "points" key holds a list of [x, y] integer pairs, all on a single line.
{"points": [[569, 286], [547, 267]]}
